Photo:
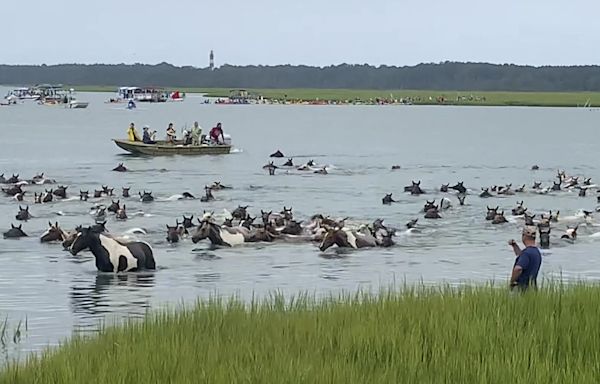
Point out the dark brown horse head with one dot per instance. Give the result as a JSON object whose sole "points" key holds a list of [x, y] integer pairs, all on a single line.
{"points": [[287, 213], [265, 216], [173, 234], [491, 213], [529, 219], [334, 236], [121, 214], [53, 233]]}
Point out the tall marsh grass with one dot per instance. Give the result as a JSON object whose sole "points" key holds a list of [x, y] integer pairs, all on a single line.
{"points": [[421, 335]]}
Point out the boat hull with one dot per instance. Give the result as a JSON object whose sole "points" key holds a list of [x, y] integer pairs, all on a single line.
{"points": [[163, 149], [78, 104]]}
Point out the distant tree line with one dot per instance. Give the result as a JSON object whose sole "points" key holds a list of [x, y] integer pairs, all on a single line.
{"points": [[441, 76]]}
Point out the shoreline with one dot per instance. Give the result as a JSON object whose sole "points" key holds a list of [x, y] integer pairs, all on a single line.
{"points": [[387, 97], [425, 333]]}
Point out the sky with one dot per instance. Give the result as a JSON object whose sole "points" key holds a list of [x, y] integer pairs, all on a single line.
{"points": [[310, 32]]}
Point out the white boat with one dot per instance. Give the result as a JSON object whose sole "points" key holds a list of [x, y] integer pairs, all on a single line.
{"points": [[72, 101], [138, 94], [23, 93], [78, 104], [9, 100]]}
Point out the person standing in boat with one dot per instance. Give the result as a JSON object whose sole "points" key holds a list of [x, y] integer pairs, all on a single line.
{"points": [[132, 133], [147, 139], [196, 133], [171, 134], [215, 132]]}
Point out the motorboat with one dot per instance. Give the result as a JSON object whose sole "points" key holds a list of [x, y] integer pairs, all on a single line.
{"points": [[163, 148], [78, 104], [176, 96], [23, 93]]}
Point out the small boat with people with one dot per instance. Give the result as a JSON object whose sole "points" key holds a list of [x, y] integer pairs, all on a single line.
{"points": [[164, 148], [176, 96], [23, 93], [145, 94], [193, 142]]}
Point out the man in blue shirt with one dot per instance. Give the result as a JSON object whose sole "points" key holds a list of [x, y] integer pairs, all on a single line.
{"points": [[528, 262]]}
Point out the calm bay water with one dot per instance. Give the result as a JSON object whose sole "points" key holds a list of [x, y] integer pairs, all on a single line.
{"points": [[58, 293]]}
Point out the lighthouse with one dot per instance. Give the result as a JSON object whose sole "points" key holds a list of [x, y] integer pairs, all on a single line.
{"points": [[211, 60]]}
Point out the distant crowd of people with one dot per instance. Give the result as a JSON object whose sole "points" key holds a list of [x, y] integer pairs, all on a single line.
{"points": [[407, 100], [193, 136]]}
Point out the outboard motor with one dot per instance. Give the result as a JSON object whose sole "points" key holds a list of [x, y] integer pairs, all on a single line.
{"points": [[544, 229]]}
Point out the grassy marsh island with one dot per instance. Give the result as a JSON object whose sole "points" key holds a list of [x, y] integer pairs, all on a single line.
{"points": [[416, 97], [419, 335]]}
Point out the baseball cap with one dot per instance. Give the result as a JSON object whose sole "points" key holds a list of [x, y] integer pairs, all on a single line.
{"points": [[529, 231]]}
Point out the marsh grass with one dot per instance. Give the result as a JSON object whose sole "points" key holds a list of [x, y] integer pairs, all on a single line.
{"points": [[412, 335], [492, 98], [428, 97]]}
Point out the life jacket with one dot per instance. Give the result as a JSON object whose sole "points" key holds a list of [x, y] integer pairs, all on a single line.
{"points": [[131, 134]]}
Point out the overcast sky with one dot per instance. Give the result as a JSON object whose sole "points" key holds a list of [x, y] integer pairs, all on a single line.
{"points": [[312, 32]]}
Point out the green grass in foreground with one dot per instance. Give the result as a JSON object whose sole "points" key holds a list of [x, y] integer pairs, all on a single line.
{"points": [[549, 99], [441, 335]]}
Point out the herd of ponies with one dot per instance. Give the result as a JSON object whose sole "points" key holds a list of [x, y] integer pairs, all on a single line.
{"points": [[124, 252]]}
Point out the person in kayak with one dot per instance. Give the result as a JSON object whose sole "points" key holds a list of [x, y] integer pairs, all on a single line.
{"points": [[215, 132], [132, 133]]}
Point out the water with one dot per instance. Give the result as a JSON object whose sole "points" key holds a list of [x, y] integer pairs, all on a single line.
{"points": [[58, 293]]}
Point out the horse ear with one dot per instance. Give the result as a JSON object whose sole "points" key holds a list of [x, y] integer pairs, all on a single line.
{"points": [[20, 225], [12, 225], [49, 224]]}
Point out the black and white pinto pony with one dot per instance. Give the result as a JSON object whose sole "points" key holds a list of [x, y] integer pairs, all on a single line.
{"points": [[112, 255]]}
